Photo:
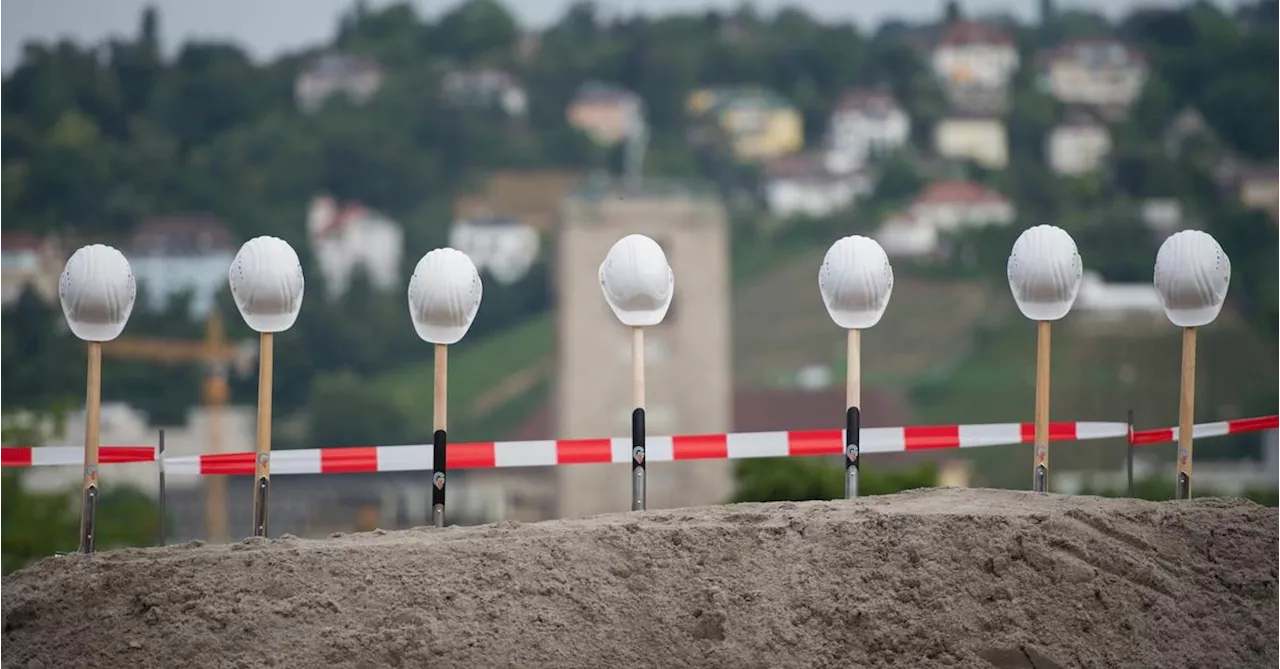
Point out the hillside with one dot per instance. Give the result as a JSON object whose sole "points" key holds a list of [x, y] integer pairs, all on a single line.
{"points": [[968, 356], [781, 325]]}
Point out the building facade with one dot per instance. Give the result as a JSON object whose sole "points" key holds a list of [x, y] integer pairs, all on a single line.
{"points": [[688, 358]]}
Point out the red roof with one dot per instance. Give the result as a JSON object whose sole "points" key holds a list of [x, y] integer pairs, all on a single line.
{"points": [[182, 233], [19, 241], [342, 217], [966, 33], [957, 192]]}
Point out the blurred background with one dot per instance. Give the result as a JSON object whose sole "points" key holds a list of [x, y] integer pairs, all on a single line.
{"points": [[745, 138]]}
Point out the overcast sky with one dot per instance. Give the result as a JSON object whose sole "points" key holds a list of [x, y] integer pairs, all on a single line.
{"points": [[267, 27]]}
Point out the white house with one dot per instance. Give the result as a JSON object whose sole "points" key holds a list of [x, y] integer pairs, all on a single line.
{"points": [[952, 205], [802, 185], [330, 74], [344, 237], [29, 260], [505, 247], [978, 138], [904, 235], [181, 254], [974, 55], [1097, 72], [864, 123], [1078, 144], [1162, 216], [487, 87], [1116, 300]]}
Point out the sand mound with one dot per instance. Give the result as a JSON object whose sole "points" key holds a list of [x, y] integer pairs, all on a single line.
{"points": [[971, 578]]}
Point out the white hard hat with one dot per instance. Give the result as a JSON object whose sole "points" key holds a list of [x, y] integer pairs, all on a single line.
{"points": [[1191, 278], [97, 291], [444, 296], [266, 282], [637, 282], [856, 281], [1044, 272]]}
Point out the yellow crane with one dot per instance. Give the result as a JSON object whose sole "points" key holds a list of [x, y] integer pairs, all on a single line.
{"points": [[217, 355]]}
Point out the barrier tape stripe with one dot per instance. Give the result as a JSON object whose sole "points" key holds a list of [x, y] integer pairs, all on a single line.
{"points": [[484, 455], [1202, 430], [542, 453]]}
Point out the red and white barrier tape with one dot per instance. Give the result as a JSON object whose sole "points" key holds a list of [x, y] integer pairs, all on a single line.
{"points": [[553, 452], [418, 457], [1202, 430]]}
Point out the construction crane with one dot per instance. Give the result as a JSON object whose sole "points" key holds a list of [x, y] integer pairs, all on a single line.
{"points": [[217, 355]]}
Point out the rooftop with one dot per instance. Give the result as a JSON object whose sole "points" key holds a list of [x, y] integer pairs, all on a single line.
{"points": [[966, 33], [954, 191]]}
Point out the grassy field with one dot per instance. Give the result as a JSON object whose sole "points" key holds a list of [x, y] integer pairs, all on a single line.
{"points": [[1099, 372], [781, 325], [475, 369]]}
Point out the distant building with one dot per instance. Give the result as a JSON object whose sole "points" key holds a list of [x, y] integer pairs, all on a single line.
{"points": [[801, 184], [486, 88], [688, 375], [970, 54], [980, 139], [29, 261], [332, 74], [1259, 188], [344, 237], [121, 424], [904, 235], [174, 255], [607, 113], [1098, 72], [759, 124], [504, 247], [1115, 300], [1078, 144], [954, 205], [1162, 216], [864, 123]]}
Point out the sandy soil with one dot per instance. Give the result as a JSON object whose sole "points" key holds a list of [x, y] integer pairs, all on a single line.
{"points": [[960, 578]]}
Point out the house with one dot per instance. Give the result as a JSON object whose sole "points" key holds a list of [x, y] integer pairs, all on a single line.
{"points": [[974, 55], [801, 184], [503, 246], [1078, 144], [30, 261], [1258, 188], [1162, 216], [331, 74], [486, 88], [981, 139], [758, 124], [904, 235], [1117, 300], [863, 124], [344, 237], [177, 255], [607, 113], [950, 205], [1103, 73]]}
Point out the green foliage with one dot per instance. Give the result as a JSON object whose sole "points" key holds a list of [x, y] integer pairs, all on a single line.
{"points": [[798, 479]]}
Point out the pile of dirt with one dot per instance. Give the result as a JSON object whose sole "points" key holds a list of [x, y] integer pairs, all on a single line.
{"points": [[970, 578]]}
